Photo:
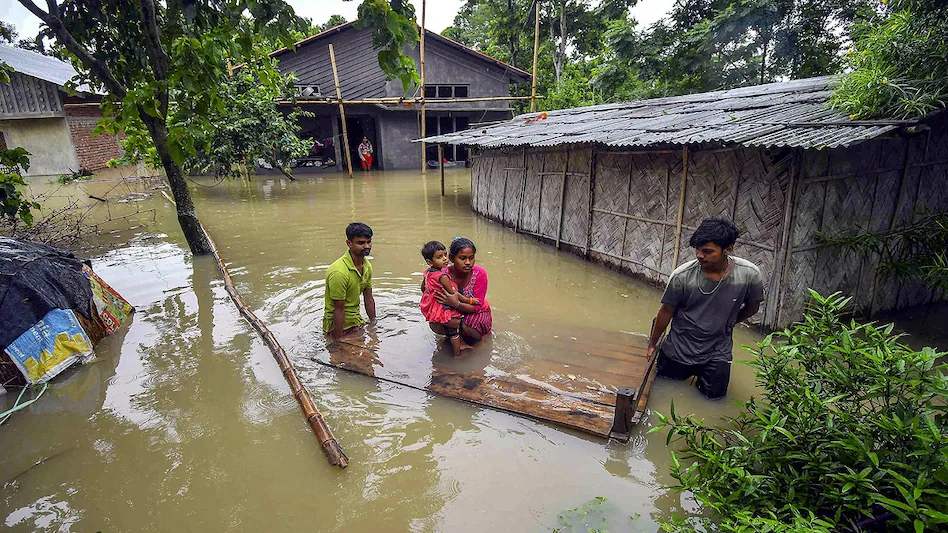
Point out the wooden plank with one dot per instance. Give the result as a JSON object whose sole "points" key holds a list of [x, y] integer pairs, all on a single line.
{"points": [[504, 393], [564, 381]]}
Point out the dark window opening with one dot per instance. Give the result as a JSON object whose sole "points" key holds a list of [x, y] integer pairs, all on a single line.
{"points": [[444, 91], [460, 91], [431, 91], [462, 123], [3, 142]]}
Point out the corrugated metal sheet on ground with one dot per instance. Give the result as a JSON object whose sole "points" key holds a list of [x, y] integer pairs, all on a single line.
{"points": [[794, 113]]}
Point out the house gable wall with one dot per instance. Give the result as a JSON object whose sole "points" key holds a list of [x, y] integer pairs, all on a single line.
{"points": [[29, 97]]}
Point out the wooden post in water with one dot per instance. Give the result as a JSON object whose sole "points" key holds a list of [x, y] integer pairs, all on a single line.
{"points": [[424, 146], [622, 421], [342, 111], [681, 205], [536, 53], [441, 164], [559, 225], [591, 196]]}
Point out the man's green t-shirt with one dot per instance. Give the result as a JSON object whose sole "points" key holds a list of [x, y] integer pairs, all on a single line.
{"points": [[343, 282]]}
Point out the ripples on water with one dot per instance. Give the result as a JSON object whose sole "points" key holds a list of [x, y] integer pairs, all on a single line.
{"points": [[185, 422]]}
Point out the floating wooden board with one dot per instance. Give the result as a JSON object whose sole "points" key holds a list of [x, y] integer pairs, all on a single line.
{"points": [[571, 380]]}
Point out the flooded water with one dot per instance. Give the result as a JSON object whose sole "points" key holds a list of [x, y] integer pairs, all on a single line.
{"points": [[184, 421]]}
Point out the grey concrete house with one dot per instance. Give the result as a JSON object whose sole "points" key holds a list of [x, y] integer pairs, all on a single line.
{"points": [[37, 114], [452, 70]]}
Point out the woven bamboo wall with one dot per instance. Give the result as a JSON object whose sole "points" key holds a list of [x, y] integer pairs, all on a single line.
{"points": [[780, 199]]}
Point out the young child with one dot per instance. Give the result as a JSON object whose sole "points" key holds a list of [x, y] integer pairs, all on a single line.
{"points": [[436, 255]]}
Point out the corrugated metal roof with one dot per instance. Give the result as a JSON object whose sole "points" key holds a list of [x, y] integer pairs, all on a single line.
{"points": [[794, 113], [39, 66]]}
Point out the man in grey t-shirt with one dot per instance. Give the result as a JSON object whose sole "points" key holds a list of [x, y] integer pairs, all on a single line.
{"points": [[704, 299]]}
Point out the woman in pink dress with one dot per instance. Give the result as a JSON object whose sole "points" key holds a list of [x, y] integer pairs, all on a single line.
{"points": [[472, 282], [437, 280]]}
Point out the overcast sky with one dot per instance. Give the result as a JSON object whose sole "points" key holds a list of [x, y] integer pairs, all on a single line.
{"points": [[437, 18]]}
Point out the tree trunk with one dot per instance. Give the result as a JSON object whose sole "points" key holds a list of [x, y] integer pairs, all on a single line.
{"points": [[187, 216], [560, 57]]}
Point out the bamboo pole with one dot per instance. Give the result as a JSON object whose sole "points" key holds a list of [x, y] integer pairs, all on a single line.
{"points": [[559, 224], [392, 101], [441, 164], [320, 428], [681, 205], [781, 263], [536, 53], [789, 246], [523, 190], [591, 197], [424, 146], [342, 111]]}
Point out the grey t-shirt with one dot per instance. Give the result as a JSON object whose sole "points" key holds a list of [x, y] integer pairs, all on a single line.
{"points": [[702, 324]]}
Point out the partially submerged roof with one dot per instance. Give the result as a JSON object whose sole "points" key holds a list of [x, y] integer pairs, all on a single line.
{"points": [[794, 114], [518, 73], [39, 66]]}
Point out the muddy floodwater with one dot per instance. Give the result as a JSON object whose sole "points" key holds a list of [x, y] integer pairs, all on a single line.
{"points": [[184, 421]]}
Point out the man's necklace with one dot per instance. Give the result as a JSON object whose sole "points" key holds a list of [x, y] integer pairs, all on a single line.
{"points": [[730, 262]]}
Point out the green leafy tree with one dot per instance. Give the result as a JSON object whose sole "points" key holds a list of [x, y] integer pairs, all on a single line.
{"points": [[571, 42], [899, 62], [705, 45], [146, 54], [334, 20], [250, 128], [297, 28], [851, 429], [393, 28], [13, 204]]}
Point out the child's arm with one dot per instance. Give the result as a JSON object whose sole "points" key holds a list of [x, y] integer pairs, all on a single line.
{"points": [[449, 289], [447, 285]]}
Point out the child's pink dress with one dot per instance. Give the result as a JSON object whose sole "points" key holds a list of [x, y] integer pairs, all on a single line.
{"points": [[434, 311]]}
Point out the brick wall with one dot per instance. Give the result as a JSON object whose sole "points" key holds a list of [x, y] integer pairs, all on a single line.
{"points": [[94, 151]]}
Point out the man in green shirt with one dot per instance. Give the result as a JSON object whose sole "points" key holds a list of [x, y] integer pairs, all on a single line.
{"points": [[347, 278]]}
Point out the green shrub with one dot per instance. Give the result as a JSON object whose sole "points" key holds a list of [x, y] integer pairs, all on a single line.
{"points": [[13, 205], [851, 426]]}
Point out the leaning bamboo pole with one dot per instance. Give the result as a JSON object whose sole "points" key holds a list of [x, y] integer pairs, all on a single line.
{"points": [[342, 111], [536, 53], [681, 205], [424, 146], [320, 428]]}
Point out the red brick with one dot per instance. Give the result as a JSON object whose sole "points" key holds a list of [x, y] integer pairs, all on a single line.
{"points": [[94, 151]]}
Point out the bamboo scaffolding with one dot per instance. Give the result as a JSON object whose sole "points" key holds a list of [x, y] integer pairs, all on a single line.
{"points": [[342, 111], [681, 205], [397, 101], [424, 146], [536, 53], [320, 428]]}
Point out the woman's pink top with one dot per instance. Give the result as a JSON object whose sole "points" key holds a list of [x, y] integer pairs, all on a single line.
{"points": [[434, 311], [481, 319]]}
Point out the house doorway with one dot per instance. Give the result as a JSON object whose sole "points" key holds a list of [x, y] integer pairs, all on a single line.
{"points": [[359, 126]]}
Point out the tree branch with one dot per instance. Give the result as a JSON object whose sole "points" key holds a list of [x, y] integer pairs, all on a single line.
{"points": [[85, 56], [157, 56]]}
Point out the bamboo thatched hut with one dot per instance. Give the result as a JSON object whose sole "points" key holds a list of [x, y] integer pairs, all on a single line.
{"points": [[625, 184]]}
